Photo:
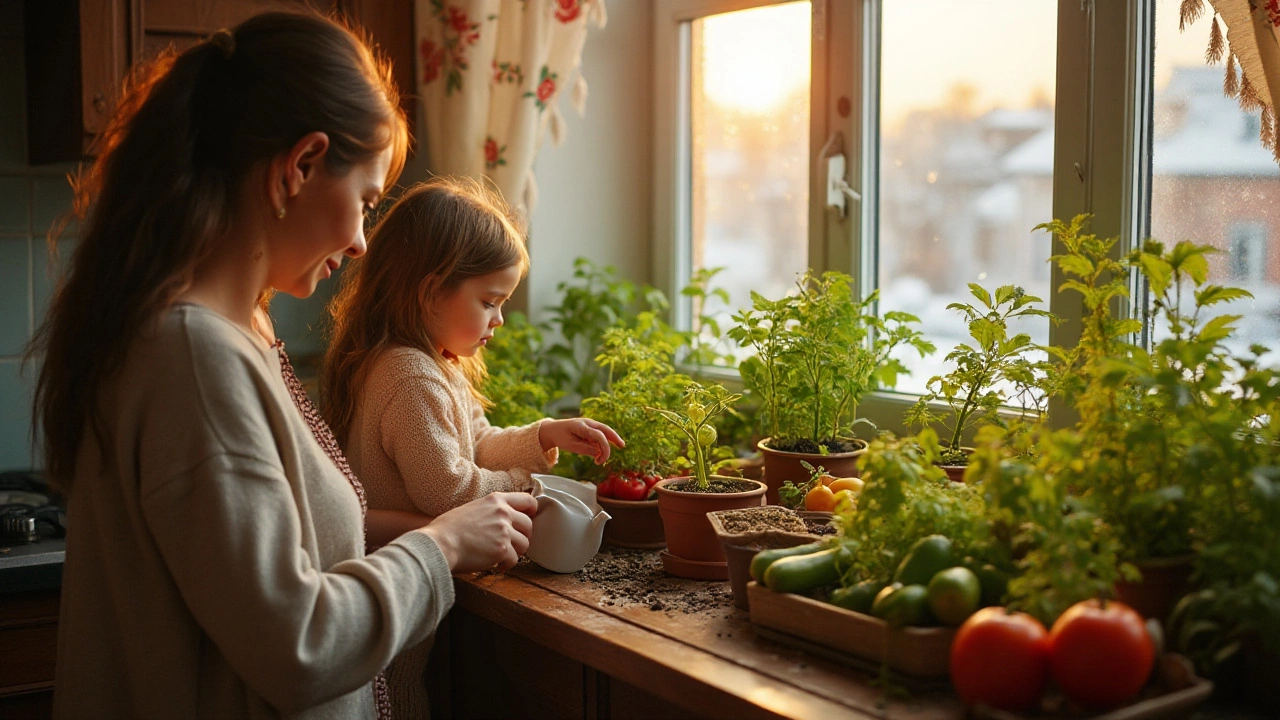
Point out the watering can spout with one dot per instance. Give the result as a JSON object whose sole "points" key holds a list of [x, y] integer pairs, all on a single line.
{"points": [[599, 520]]}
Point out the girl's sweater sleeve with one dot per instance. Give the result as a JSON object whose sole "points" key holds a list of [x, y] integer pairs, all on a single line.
{"points": [[421, 434], [509, 448]]}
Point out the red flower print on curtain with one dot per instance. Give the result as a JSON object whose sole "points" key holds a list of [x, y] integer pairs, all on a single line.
{"points": [[546, 88], [460, 33], [493, 153], [568, 10], [432, 59], [509, 72]]}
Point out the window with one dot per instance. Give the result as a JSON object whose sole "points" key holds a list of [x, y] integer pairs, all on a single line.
{"points": [[1211, 180], [964, 123], [965, 160]]}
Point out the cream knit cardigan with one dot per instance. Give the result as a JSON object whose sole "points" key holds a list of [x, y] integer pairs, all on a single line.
{"points": [[419, 440], [215, 560]]}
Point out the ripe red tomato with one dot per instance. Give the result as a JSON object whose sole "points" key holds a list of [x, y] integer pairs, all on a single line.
{"points": [[652, 479], [1000, 659], [1100, 655], [606, 487], [630, 488]]}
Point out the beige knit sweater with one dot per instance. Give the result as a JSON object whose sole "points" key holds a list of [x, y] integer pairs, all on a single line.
{"points": [[215, 562], [419, 440]]}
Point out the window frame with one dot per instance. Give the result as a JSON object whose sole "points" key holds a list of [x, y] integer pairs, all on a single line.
{"points": [[1102, 146]]}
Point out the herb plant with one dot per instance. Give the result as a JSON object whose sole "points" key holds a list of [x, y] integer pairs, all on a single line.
{"points": [[639, 374], [817, 353], [516, 385], [989, 372]]}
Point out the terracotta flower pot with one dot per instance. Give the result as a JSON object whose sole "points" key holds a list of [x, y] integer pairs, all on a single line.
{"points": [[693, 550], [1164, 580], [633, 524], [955, 473], [780, 466]]}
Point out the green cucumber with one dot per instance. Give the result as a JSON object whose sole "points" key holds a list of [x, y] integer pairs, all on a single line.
{"points": [[765, 558], [800, 573], [858, 598]]}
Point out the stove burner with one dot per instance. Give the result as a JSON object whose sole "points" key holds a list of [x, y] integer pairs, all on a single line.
{"points": [[20, 523]]}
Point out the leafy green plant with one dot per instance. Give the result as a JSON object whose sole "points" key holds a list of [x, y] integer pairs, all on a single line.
{"points": [[817, 353], [989, 372], [702, 404], [640, 373], [593, 301], [1059, 550], [706, 341], [517, 386], [907, 497]]}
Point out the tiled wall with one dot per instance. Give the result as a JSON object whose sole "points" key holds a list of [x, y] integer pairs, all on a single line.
{"points": [[31, 198]]}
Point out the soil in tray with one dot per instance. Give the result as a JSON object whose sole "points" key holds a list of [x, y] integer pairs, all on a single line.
{"points": [[636, 577], [768, 517]]}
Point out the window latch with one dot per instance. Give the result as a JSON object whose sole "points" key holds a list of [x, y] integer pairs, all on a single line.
{"points": [[838, 188]]}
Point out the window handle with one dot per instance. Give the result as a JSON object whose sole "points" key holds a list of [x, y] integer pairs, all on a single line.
{"points": [[837, 187]]}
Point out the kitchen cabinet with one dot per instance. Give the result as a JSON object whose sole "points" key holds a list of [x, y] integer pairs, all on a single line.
{"points": [[79, 51], [28, 646]]}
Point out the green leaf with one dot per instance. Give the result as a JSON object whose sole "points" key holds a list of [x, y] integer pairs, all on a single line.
{"points": [[1218, 329], [1076, 265], [1157, 271], [980, 293], [1213, 294]]}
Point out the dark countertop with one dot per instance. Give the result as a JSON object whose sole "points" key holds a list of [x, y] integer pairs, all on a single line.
{"points": [[32, 566]]}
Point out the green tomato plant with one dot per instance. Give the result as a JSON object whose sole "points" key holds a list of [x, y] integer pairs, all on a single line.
{"points": [[990, 372], [696, 421], [516, 384]]}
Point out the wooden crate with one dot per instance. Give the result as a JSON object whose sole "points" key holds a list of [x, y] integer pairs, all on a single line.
{"points": [[922, 652]]}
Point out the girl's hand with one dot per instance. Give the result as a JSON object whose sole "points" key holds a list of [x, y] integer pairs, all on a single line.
{"points": [[583, 436]]}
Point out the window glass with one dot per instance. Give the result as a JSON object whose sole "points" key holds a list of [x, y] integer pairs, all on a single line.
{"points": [[1212, 180], [749, 148], [965, 160]]}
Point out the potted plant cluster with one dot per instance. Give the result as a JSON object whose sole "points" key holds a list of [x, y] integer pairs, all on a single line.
{"points": [[639, 373], [816, 354], [516, 384], [693, 550], [989, 373]]}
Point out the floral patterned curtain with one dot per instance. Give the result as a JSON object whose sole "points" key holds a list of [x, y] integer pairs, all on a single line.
{"points": [[1252, 30], [490, 75]]}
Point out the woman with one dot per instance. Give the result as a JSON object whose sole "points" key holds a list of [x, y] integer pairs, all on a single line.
{"points": [[215, 561]]}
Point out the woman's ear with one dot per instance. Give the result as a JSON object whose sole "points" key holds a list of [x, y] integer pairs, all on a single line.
{"points": [[298, 166]]}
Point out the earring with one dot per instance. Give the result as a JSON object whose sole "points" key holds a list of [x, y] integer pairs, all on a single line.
{"points": [[280, 213]]}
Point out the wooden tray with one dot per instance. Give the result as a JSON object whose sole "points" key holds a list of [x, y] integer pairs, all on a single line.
{"points": [[921, 652], [1173, 693]]}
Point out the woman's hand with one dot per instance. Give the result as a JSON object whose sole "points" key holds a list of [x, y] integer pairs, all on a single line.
{"points": [[583, 436], [492, 531]]}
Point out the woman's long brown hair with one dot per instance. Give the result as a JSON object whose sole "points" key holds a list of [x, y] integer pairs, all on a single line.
{"points": [[438, 234], [170, 166]]}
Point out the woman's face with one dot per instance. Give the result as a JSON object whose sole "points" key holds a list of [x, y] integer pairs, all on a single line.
{"points": [[464, 320], [323, 222]]}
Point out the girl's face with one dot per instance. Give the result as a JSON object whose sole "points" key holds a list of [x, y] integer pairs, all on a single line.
{"points": [[324, 222], [463, 321]]}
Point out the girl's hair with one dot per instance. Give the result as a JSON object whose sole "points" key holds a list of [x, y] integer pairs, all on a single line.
{"points": [[170, 167], [438, 234]]}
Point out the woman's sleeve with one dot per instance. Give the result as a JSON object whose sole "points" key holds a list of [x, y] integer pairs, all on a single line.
{"points": [[422, 438], [229, 531], [508, 448]]}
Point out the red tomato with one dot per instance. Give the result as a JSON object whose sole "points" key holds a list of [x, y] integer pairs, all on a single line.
{"points": [[1100, 655], [1000, 659], [630, 489], [652, 479], [606, 487]]}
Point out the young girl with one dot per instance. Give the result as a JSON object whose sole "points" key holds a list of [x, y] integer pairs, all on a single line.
{"points": [[401, 377], [215, 562]]}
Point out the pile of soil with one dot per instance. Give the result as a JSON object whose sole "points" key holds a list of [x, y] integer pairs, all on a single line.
{"points": [[718, 485], [636, 577], [813, 448], [767, 517], [819, 527]]}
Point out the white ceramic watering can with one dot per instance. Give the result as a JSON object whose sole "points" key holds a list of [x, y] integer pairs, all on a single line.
{"points": [[566, 533]]}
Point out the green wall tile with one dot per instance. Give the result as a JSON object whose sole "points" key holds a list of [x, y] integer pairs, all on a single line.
{"points": [[43, 281], [15, 205], [50, 200], [15, 296], [15, 415]]}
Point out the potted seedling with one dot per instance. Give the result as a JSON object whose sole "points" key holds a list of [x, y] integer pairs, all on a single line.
{"points": [[693, 550], [817, 353], [639, 374], [988, 373]]}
